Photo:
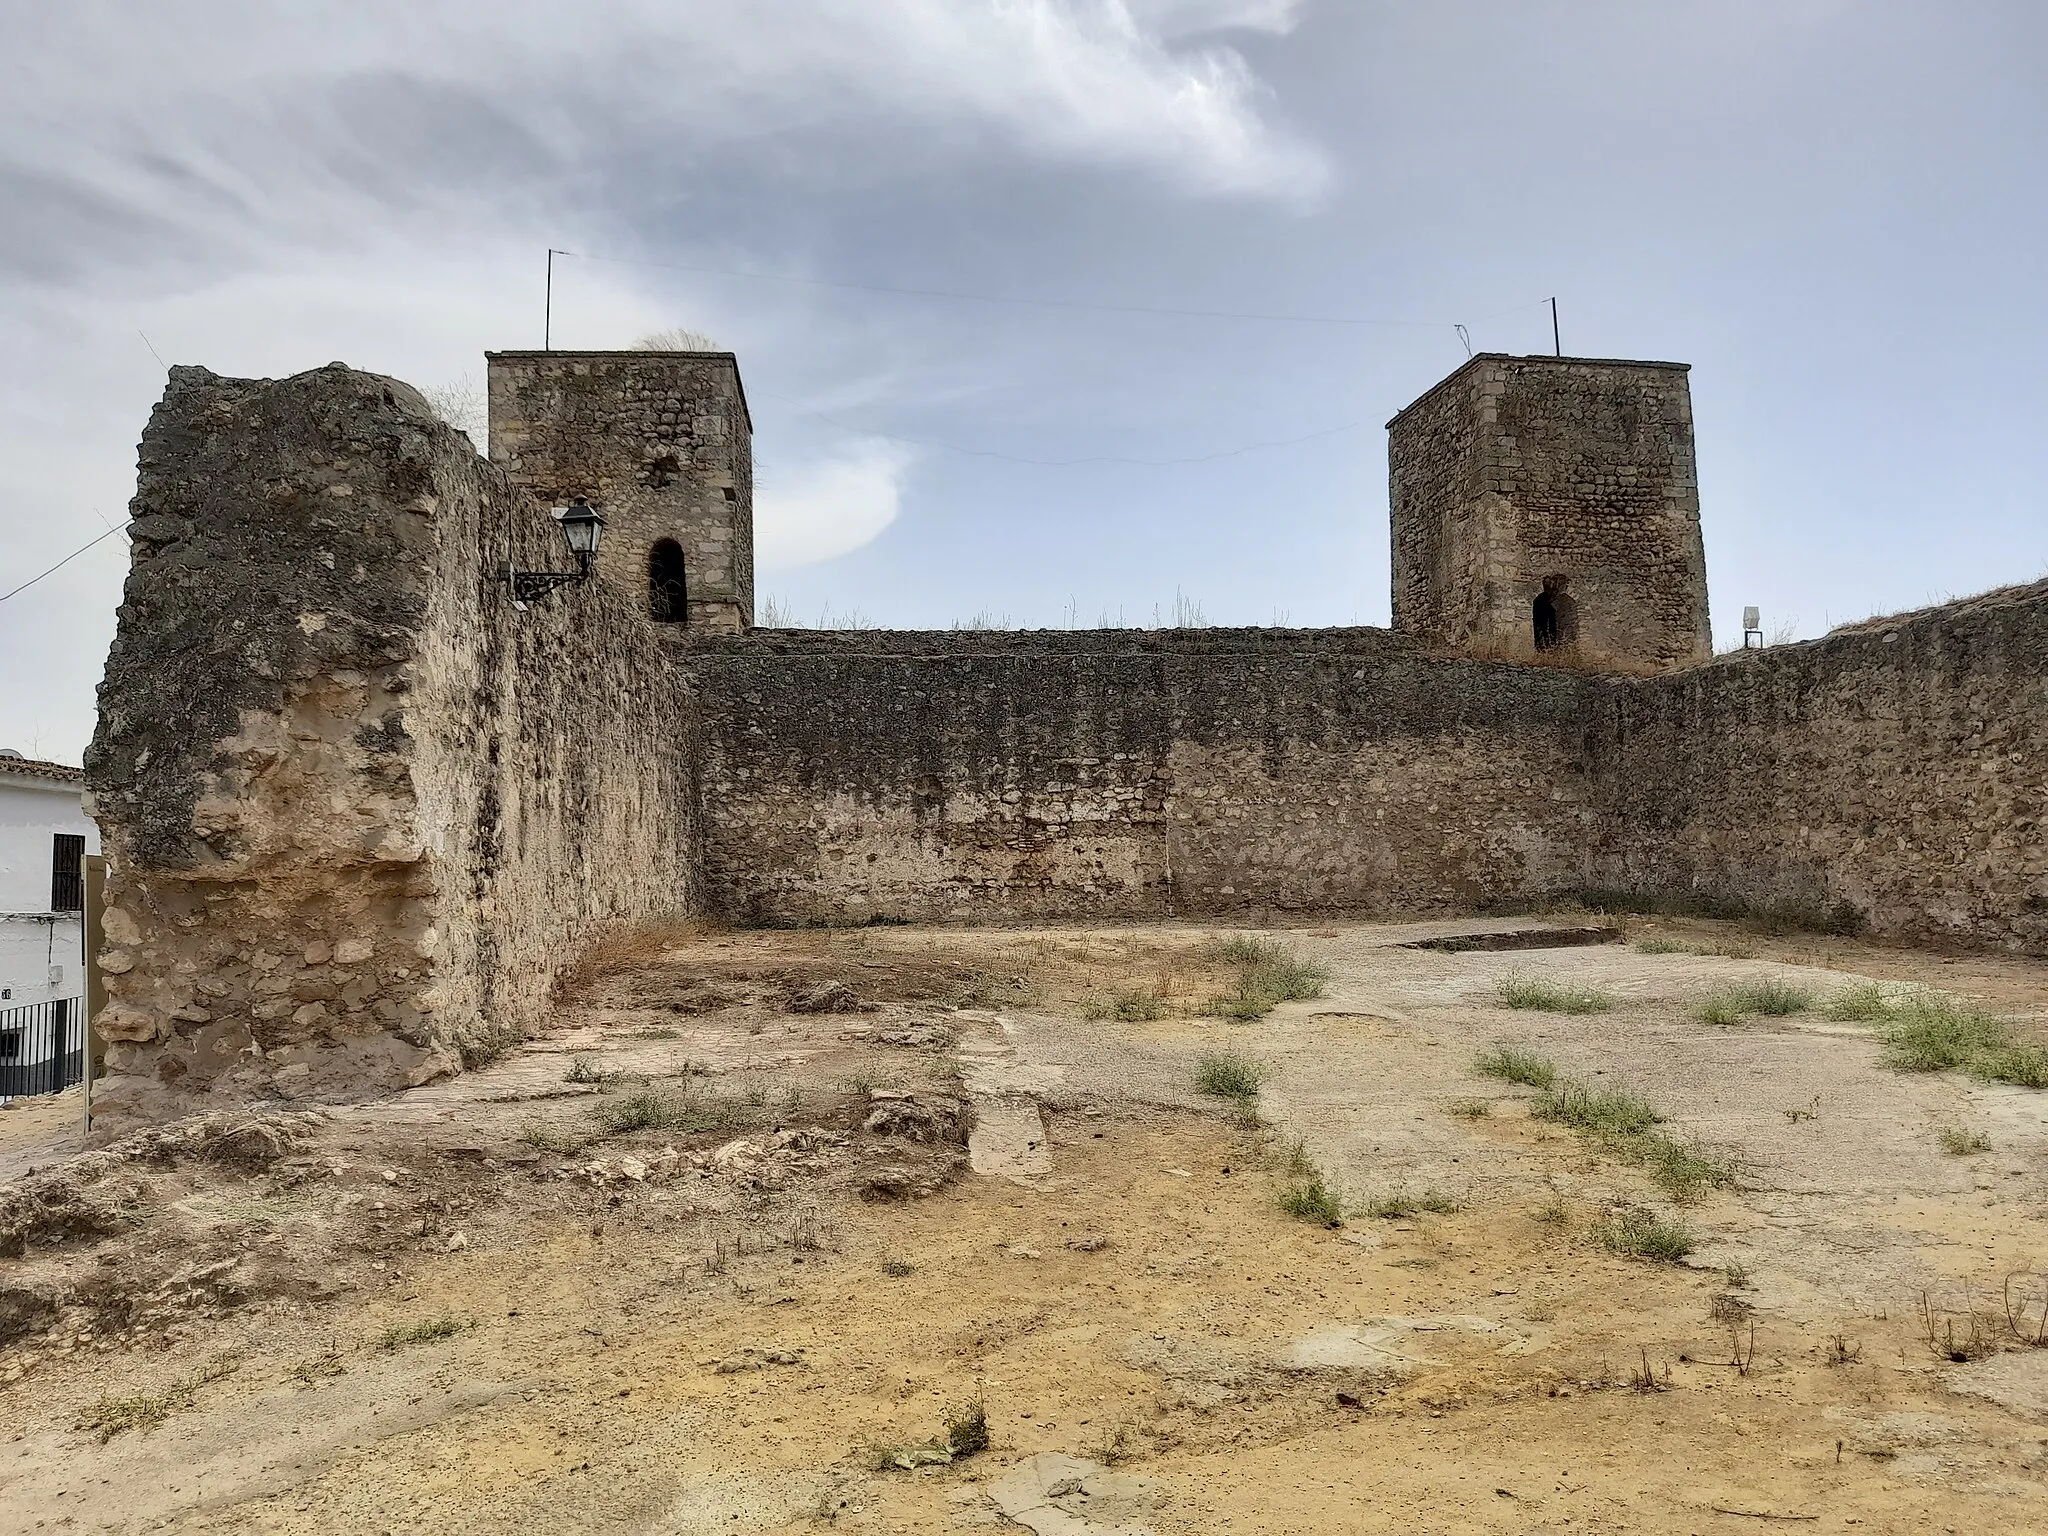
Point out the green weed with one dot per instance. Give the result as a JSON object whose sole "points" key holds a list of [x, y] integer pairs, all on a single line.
{"points": [[1513, 1063], [1229, 1075], [1268, 974], [1957, 1142], [1771, 998], [1600, 1111], [1541, 996], [1864, 1003], [1470, 1109], [111, 1416], [554, 1138], [433, 1330], [653, 1110], [1637, 1233], [1128, 1007], [1311, 1199], [1401, 1203], [1625, 1124], [1928, 1032]]}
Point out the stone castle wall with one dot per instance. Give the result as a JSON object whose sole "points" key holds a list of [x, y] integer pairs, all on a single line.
{"points": [[1515, 471], [357, 812], [1116, 773], [360, 814], [1897, 770]]}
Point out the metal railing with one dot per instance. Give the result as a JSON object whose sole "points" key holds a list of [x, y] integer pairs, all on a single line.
{"points": [[42, 1047]]}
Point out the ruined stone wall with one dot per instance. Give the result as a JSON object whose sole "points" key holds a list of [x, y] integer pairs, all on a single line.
{"points": [[1897, 770], [859, 775], [357, 812], [660, 441], [1517, 471]]}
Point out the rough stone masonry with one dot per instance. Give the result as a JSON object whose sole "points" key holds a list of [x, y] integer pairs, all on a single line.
{"points": [[361, 812]]}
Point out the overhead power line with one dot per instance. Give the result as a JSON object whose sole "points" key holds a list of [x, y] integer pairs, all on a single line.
{"points": [[66, 560]]}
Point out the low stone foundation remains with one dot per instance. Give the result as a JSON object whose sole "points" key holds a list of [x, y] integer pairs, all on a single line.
{"points": [[361, 812]]}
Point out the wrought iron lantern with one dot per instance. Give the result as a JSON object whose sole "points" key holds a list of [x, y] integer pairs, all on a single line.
{"points": [[582, 528]]}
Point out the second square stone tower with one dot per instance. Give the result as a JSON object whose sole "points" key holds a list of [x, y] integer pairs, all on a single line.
{"points": [[1547, 508], [662, 444]]}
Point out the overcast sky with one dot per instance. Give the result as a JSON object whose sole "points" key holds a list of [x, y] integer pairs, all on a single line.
{"points": [[1833, 209]]}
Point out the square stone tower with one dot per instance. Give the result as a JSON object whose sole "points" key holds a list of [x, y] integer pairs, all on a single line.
{"points": [[662, 444], [1548, 507]]}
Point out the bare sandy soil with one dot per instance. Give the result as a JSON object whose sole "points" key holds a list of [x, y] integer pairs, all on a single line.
{"points": [[492, 1305]]}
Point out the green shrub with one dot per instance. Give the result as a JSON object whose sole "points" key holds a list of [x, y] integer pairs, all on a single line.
{"points": [[1600, 1111], [1643, 1234], [1128, 1007], [1547, 997], [1513, 1063], [1401, 1203], [1719, 1010], [652, 1110], [1661, 947], [432, 1331], [1864, 1003], [1268, 974], [1229, 1075], [1769, 997], [2024, 1066], [1932, 1033], [1957, 1142], [1310, 1199]]}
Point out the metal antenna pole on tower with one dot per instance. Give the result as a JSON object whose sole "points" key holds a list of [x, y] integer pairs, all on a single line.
{"points": [[1555, 345]]}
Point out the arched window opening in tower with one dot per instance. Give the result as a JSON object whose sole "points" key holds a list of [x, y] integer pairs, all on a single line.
{"points": [[1554, 616], [665, 587]]}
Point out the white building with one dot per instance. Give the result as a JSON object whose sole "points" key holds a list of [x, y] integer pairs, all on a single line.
{"points": [[44, 838]]}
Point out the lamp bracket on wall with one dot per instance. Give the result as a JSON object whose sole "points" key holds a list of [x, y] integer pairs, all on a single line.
{"points": [[582, 527]]}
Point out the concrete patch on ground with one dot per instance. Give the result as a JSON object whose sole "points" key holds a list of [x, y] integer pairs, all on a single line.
{"points": [[1057, 1495], [2016, 1382], [1008, 1140], [1377, 1344]]}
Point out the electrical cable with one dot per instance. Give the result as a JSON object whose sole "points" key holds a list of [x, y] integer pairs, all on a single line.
{"points": [[65, 561]]}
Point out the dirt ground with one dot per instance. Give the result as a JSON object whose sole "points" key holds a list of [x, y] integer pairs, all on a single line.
{"points": [[765, 1213]]}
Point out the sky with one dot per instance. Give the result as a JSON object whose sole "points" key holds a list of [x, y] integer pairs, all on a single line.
{"points": [[1057, 312]]}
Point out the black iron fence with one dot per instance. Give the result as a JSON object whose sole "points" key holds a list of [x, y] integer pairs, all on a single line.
{"points": [[42, 1047]]}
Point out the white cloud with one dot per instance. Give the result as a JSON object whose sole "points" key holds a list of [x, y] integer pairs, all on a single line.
{"points": [[828, 508]]}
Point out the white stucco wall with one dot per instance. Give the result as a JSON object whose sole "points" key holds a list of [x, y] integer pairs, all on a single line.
{"points": [[40, 956]]}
